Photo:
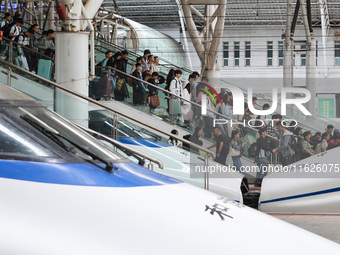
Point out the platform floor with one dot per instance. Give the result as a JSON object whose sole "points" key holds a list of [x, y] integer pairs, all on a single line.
{"points": [[327, 226]]}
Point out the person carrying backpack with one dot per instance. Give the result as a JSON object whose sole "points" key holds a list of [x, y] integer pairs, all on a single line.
{"points": [[5, 27], [261, 160], [15, 30], [306, 147], [284, 148]]}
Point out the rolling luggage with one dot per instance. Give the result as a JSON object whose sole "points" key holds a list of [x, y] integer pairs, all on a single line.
{"points": [[21, 61], [45, 68], [93, 88], [104, 88]]}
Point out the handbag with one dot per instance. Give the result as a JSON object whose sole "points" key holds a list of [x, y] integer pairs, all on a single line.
{"points": [[234, 152], [154, 100], [119, 84], [129, 81], [175, 106], [186, 112]]}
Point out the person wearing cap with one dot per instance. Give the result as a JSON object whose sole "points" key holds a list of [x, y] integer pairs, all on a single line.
{"points": [[329, 130], [306, 147]]}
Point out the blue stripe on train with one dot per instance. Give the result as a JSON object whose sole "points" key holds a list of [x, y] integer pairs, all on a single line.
{"points": [[321, 192], [143, 142], [127, 175]]}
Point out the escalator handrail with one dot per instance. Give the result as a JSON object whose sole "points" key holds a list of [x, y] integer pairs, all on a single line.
{"points": [[95, 102], [173, 94]]}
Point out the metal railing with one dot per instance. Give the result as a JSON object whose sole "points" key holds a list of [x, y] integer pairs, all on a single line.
{"points": [[306, 124], [216, 114], [80, 96], [122, 146]]}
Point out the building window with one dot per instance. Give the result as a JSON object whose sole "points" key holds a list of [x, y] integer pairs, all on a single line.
{"points": [[269, 53], [280, 53], [225, 53], [316, 53], [247, 53], [303, 56], [236, 53], [337, 53]]}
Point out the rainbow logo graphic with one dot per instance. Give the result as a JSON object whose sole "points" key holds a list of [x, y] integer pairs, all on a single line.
{"points": [[211, 95]]}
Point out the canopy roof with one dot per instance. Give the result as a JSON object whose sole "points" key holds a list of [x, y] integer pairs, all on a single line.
{"points": [[238, 12]]}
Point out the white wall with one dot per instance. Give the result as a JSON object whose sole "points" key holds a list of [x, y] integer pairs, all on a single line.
{"points": [[258, 72]]}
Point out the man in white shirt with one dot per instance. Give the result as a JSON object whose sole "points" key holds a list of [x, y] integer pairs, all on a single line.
{"points": [[176, 84], [16, 29], [24, 39], [175, 103]]}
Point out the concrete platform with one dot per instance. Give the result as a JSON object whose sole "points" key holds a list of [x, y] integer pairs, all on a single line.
{"points": [[327, 226]]}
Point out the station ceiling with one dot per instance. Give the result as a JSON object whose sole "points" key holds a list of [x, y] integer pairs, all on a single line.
{"points": [[238, 12]]}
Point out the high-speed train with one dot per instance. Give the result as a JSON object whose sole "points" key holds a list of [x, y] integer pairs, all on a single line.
{"points": [[178, 162], [311, 185], [294, 191], [64, 192]]}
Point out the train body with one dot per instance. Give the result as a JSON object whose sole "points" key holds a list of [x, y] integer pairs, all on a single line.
{"points": [[63, 192]]}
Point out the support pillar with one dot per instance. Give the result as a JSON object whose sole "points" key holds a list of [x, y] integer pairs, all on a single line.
{"points": [[72, 72], [288, 54], [311, 76], [206, 41], [50, 20]]}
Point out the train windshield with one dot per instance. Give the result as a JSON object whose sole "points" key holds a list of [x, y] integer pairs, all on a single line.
{"points": [[67, 136], [13, 142]]}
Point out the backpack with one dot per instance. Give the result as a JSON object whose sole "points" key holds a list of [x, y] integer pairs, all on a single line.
{"points": [[9, 30], [16, 39], [253, 150], [5, 29], [294, 145]]}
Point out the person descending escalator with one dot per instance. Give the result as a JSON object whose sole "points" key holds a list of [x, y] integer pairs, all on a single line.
{"points": [[138, 86]]}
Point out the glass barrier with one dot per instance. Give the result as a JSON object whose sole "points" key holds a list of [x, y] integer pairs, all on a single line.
{"points": [[311, 123], [185, 119], [28, 58]]}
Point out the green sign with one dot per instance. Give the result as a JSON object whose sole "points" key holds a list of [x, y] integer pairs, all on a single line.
{"points": [[326, 106]]}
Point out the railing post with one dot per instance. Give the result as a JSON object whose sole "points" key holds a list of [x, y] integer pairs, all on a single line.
{"points": [[206, 173], [10, 53], [115, 125], [9, 76], [10, 58]]}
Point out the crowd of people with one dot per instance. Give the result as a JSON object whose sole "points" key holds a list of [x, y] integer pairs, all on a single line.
{"points": [[26, 57], [289, 144], [145, 69]]}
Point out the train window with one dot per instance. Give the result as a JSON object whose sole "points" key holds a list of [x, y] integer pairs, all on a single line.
{"points": [[102, 122], [14, 141]]}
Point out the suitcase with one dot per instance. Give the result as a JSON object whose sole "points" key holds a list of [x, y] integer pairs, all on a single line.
{"points": [[104, 88], [45, 68], [93, 88], [21, 61]]}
